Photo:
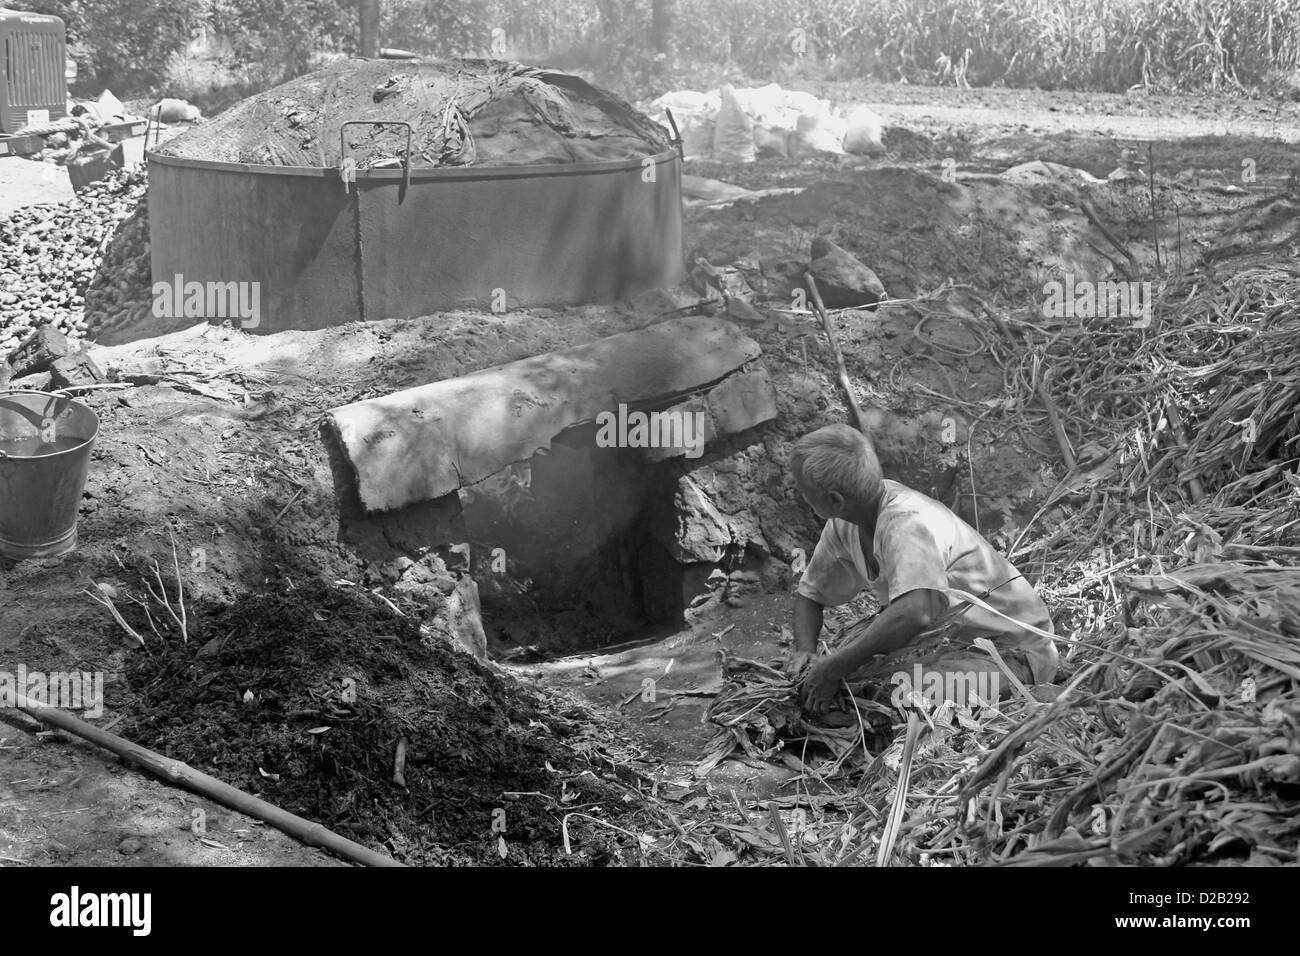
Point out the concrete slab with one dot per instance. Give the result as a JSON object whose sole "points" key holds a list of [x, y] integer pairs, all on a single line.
{"points": [[695, 405], [424, 442], [739, 402]]}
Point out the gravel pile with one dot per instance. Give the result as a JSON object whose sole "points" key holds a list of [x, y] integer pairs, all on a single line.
{"points": [[80, 265]]}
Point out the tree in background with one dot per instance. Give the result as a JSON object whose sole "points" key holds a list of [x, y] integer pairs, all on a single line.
{"points": [[661, 32], [125, 45], [441, 27], [275, 40], [369, 17]]}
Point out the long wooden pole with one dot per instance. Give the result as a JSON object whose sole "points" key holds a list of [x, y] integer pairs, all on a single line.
{"points": [[174, 771], [846, 386]]}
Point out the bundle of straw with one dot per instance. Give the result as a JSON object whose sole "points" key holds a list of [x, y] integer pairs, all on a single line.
{"points": [[755, 705]]}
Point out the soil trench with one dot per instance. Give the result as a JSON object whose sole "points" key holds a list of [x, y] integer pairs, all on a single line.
{"points": [[319, 644]]}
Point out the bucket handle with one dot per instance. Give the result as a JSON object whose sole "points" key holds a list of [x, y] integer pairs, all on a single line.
{"points": [[61, 403], [406, 157]]}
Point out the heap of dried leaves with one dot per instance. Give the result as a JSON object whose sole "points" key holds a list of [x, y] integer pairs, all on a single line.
{"points": [[1174, 560]]}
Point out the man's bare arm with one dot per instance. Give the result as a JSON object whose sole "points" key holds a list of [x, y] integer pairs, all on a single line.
{"points": [[894, 627], [808, 615]]}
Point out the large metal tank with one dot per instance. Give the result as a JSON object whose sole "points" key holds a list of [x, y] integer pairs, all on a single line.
{"points": [[402, 242]]}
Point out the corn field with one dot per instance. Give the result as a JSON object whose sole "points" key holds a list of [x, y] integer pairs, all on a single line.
{"points": [[1111, 45]]}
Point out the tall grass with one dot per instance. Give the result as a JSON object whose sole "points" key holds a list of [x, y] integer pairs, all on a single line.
{"points": [[1104, 45], [1107, 45]]}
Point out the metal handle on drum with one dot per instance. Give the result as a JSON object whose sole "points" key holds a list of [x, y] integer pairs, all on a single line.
{"points": [[677, 135], [343, 160]]}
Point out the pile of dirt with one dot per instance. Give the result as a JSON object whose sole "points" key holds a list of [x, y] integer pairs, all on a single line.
{"points": [[294, 696], [460, 113]]}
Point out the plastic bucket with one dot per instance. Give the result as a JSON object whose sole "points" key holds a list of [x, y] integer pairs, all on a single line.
{"points": [[45, 443]]}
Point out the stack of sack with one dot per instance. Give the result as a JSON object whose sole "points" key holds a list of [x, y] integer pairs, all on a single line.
{"points": [[740, 125]]}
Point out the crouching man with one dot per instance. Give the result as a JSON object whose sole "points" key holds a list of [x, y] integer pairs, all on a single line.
{"points": [[907, 548]]}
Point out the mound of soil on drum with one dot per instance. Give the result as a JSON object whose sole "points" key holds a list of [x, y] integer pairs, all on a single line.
{"points": [[461, 113], [248, 698]]}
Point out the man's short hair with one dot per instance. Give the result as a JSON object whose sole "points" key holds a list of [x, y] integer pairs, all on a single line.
{"points": [[838, 458]]}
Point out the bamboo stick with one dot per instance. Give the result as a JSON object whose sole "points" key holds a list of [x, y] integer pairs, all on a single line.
{"points": [[855, 410], [1054, 418], [1194, 485], [176, 772], [1111, 238]]}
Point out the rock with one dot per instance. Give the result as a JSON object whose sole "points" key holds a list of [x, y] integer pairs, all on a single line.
{"points": [[39, 351], [738, 310], [864, 134], [145, 370], [415, 574], [842, 280], [40, 382], [130, 846], [78, 369], [703, 534], [742, 401], [391, 571], [465, 617]]}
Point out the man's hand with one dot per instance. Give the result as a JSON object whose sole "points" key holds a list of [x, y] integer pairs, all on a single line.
{"points": [[821, 684], [795, 663]]}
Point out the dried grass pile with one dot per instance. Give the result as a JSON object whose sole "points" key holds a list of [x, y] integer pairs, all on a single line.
{"points": [[1172, 559]]}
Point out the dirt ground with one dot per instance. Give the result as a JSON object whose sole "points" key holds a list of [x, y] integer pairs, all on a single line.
{"points": [[225, 458]]}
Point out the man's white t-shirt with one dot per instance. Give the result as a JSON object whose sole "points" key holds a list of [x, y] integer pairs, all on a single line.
{"points": [[919, 543]]}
